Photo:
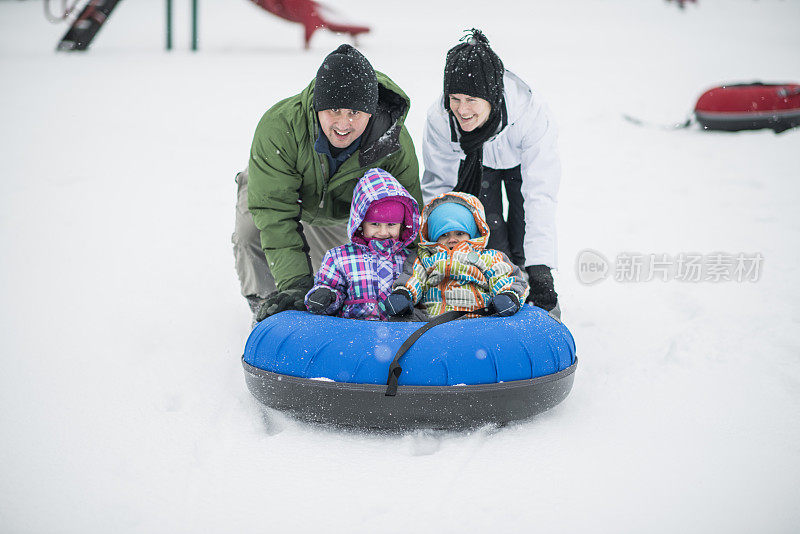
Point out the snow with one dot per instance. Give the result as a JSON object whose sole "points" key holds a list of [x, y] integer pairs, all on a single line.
{"points": [[122, 397]]}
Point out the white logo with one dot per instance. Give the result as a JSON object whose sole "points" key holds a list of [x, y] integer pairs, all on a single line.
{"points": [[591, 267]]}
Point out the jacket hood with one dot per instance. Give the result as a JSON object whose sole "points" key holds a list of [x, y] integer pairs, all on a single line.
{"points": [[518, 96], [377, 184], [465, 199]]}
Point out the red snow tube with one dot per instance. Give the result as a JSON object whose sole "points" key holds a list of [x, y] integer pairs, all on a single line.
{"points": [[750, 106]]}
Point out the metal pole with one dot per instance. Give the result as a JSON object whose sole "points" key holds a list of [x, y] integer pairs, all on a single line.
{"points": [[169, 24], [194, 25]]}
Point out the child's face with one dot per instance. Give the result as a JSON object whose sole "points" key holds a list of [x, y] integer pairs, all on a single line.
{"points": [[376, 230], [453, 238]]}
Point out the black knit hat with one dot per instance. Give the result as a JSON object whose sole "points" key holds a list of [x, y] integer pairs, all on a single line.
{"points": [[472, 68], [346, 80]]}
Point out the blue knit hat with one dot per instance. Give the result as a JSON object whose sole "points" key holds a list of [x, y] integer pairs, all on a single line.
{"points": [[451, 216]]}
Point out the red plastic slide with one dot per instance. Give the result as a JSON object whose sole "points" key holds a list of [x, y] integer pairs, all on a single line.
{"points": [[307, 13]]}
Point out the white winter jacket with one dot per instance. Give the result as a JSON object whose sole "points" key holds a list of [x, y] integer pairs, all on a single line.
{"points": [[528, 140]]}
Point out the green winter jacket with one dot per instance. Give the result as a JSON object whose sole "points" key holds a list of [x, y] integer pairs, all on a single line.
{"points": [[289, 181]]}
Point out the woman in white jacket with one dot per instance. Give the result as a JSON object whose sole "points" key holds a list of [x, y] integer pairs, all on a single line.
{"points": [[486, 129]]}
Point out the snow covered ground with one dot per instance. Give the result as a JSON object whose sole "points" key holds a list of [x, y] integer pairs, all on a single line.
{"points": [[123, 406]]}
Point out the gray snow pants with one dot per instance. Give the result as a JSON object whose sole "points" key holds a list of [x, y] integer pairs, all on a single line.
{"points": [[251, 264]]}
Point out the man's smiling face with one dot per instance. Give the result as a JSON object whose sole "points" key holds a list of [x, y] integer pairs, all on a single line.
{"points": [[343, 126]]}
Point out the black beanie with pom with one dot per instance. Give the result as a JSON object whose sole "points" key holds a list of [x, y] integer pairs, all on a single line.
{"points": [[472, 68], [346, 80]]}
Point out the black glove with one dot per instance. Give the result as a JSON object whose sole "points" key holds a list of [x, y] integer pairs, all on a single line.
{"points": [[397, 303], [291, 298], [542, 294], [505, 304], [320, 300]]}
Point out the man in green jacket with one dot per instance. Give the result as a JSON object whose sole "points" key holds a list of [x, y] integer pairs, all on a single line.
{"points": [[308, 152]]}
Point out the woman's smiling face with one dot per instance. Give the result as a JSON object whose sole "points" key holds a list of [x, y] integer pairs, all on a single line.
{"points": [[470, 111]]}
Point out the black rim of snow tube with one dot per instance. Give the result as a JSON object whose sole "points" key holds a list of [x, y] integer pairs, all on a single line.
{"points": [[440, 407], [778, 121]]}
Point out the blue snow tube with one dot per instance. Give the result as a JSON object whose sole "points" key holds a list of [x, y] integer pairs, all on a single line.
{"points": [[463, 373]]}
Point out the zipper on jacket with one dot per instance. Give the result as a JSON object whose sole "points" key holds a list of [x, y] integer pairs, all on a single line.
{"points": [[446, 278], [321, 158], [324, 180]]}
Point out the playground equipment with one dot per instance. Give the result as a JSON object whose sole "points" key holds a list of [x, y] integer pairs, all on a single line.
{"points": [[312, 15], [85, 26]]}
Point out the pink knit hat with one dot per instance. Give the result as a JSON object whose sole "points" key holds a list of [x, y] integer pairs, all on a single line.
{"points": [[386, 210]]}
